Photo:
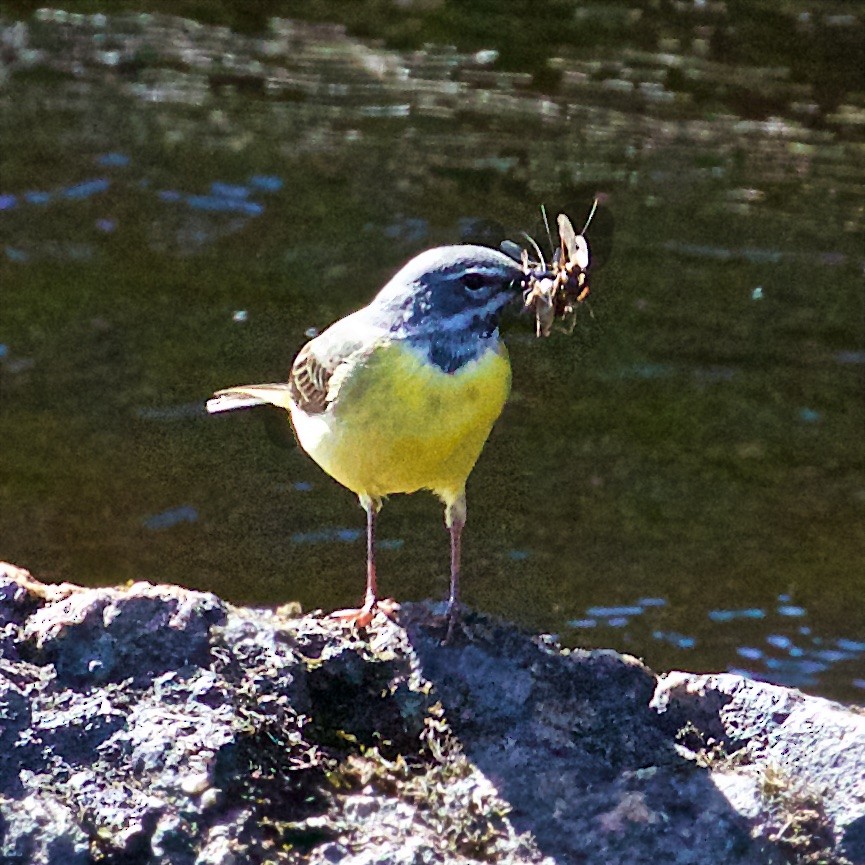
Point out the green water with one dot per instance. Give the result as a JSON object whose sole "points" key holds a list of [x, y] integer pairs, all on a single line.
{"points": [[682, 478]]}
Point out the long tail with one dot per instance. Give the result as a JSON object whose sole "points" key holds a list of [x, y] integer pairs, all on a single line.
{"points": [[248, 396]]}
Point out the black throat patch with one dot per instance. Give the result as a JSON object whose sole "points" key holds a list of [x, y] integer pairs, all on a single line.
{"points": [[448, 351]]}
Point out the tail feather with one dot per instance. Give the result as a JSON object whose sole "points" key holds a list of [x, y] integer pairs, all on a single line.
{"points": [[248, 396]]}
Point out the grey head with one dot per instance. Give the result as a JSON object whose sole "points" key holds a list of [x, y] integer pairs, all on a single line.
{"points": [[447, 301]]}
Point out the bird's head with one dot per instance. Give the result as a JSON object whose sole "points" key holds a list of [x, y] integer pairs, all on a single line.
{"points": [[451, 290]]}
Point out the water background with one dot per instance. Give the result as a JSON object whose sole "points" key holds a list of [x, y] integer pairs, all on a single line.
{"points": [[182, 199]]}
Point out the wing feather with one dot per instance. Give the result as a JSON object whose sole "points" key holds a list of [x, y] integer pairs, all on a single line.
{"points": [[308, 381], [323, 362]]}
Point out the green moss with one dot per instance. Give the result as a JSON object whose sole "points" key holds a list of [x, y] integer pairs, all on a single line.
{"points": [[799, 826]]}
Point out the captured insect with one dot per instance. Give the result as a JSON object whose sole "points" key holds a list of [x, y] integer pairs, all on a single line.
{"points": [[554, 292]]}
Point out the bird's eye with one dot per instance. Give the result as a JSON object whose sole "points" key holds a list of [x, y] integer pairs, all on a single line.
{"points": [[473, 281]]}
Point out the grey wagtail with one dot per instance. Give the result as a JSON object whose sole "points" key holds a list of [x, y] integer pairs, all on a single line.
{"points": [[402, 394]]}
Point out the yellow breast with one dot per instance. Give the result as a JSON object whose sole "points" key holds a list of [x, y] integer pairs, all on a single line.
{"points": [[399, 423]]}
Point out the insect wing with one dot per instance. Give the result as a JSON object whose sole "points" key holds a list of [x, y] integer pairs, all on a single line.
{"points": [[581, 253], [568, 237]]}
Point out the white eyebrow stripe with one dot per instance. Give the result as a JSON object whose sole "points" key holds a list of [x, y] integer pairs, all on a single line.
{"points": [[462, 320], [483, 269]]}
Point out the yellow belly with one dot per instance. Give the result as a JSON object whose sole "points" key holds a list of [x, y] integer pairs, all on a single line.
{"points": [[400, 424]]}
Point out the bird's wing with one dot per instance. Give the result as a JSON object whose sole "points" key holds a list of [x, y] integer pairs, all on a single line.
{"points": [[323, 362], [317, 371], [309, 379]]}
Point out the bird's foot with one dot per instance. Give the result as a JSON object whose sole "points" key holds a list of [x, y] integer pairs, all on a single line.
{"points": [[363, 616], [453, 621]]}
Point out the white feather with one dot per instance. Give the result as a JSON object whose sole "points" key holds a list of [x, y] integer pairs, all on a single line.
{"points": [[248, 396]]}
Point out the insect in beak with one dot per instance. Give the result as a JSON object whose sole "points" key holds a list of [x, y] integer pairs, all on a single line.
{"points": [[554, 293]]}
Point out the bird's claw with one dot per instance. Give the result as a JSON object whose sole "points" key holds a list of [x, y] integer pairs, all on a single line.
{"points": [[363, 616], [454, 621]]}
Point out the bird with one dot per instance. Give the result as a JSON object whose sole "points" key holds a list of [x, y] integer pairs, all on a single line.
{"points": [[402, 394]]}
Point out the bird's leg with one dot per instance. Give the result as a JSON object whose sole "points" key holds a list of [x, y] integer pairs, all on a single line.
{"points": [[371, 583], [455, 519], [363, 616]]}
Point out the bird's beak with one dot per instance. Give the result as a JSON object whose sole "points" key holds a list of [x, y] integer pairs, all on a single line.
{"points": [[514, 307]]}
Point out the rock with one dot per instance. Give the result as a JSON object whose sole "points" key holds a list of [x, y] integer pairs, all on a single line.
{"points": [[40, 830], [104, 635], [787, 753], [158, 726]]}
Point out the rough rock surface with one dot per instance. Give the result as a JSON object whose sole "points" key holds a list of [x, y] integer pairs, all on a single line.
{"points": [[152, 724]]}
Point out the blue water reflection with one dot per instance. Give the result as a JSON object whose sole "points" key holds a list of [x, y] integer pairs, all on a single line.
{"points": [[172, 517], [798, 658]]}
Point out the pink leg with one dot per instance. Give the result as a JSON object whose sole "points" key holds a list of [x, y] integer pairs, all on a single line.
{"points": [[455, 518], [364, 615], [371, 585]]}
